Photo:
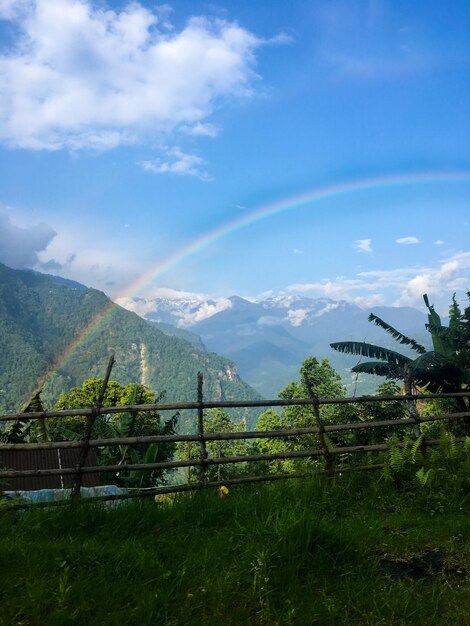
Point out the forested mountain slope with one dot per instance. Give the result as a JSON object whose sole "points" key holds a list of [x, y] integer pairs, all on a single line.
{"points": [[40, 319]]}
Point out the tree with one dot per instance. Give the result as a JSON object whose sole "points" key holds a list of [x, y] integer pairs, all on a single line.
{"points": [[24, 430], [325, 381], [382, 410], [215, 421], [126, 424]]}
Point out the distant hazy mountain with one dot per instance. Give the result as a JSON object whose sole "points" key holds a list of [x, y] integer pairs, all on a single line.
{"points": [[41, 318], [269, 339]]}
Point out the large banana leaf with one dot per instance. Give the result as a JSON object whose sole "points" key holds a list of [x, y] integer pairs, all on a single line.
{"points": [[379, 368], [396, 334], [371, 351]]}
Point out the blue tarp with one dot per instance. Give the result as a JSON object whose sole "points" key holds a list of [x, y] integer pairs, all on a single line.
{"points": [[52, 495]]}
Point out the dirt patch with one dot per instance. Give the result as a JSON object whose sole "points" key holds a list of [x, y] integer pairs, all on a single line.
{"points": [[424, 567]]}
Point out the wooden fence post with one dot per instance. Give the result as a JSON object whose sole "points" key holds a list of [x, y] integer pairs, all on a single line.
{"points": [[200, 428], [91, 419], [411, 404], [321, 427]]}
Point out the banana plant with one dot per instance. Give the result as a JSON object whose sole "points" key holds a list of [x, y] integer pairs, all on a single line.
{"points": [[437, 370]]}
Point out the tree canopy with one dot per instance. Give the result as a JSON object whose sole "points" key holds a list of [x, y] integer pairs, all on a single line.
{"points": [[126, 424]]}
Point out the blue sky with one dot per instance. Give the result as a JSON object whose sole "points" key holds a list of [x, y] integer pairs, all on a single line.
{"points": [[130, 130]]}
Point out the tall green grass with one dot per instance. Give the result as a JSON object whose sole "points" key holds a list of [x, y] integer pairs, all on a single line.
{"points": [[301, 552]]}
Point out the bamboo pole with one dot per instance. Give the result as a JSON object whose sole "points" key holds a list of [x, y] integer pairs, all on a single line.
{"points": [[77, 483], [216, 461], [256, 434], [411, 404], [200, 428], [224, 404], [321, 427]]}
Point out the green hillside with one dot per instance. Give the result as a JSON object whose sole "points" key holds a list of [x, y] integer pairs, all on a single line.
{"points": [[40, 319]]}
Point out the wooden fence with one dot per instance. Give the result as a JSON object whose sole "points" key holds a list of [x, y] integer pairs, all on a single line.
{"points": [[324, 451]]}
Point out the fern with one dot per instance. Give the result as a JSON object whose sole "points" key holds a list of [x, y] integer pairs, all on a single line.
{"points": [[396, 459], [416, 450], [466, 447], [447, 445], [424, 476]]}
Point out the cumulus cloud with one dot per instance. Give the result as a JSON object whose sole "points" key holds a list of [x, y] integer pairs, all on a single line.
{"points": [[20, 246], [83, 76], [179, 163], [407, 240], [450, 276], [363, 245], [404, 285]]}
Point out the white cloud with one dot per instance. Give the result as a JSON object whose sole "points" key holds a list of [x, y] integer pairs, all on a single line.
{"points": [[12, 9], [435, 281], [338, 288], [20, 246], [297, 251], [407, 240], [202, 130], [363, 245], [439, 242], [179, 163], [296, 316], [83, 76], [82, 251], [329, 306], [405, 286]]}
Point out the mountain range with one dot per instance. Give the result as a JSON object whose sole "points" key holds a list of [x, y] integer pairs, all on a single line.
{"points": [[268, 339]]}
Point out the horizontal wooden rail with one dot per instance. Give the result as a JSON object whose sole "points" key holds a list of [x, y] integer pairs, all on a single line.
{"points": [[294, 454], [230, 436], [180, 406]]}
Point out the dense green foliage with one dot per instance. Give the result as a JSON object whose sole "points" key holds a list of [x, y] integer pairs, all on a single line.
{"points": [[439, 473], [325, 382], [117, 425], [331, 552], [40, 320], [216, 421]]}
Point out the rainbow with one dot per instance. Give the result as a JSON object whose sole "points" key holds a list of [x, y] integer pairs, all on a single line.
{"points": [[288, 204], [275, 208]]}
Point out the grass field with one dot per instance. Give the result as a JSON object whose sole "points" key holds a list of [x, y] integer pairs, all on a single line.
{"points": [[347, 550]]}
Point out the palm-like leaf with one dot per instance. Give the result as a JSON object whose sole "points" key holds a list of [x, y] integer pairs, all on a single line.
{"points": [[396, 334], [379, 368], [371, 351]]}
